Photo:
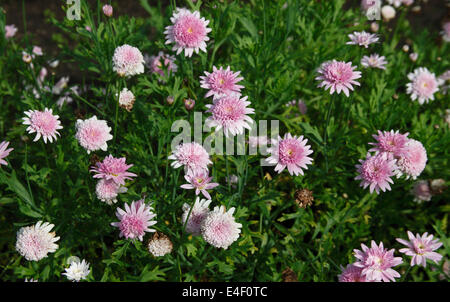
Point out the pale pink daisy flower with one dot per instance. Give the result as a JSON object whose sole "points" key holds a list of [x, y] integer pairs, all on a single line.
{"points": [[446, 32], [107, 191], [291, 152], [10, 31], [200, 181], [190, 155], [351, 273], [219, 227], [60, 85], [37, 51], [413, 56], [413, 162], [338, 76], [107, 10], [36, 241], [93, 134], [4, 152], [374, 61], [161, 63], [375, 172], [126, 99], [377, 262], [421, 191], [221, 82], [128, 61], [135, 220], [188, 32], [44, 123], [421, 248], [230, 112], [112, 168], [390, 141], [195, 216], [423, 85], [362, 38]]}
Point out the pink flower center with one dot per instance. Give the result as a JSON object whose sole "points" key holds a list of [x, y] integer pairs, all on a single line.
{"points": [[131, 226], [339, 72], [228, 109], [43, 122], [189, 31], [290, 151]]}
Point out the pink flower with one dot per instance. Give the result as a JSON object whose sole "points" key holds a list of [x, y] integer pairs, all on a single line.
{"points": [[128, 61], [421, 248], [446, 32], [423, 85], [290, 152], [230, 113], [200, 181], [37, 51], [196, 216], [190, 155], [44, 123], [362, 39], [221, 82], [92, 134], [108, 190], [377, 262], [113, 169], [135, 220], [413, 162], [10, 31], [338, 76], [161, 63], [421, 191], [4, 152], [36, 241], [107, 10], [376, 171], [390, 141], [188, 32], [26, 57], [374, 61], [189, 104], [219, 227], [351, 273], [126, 99], [60, 85]]}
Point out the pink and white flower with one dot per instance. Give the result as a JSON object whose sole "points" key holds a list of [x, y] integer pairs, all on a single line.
{"points": [[413, 162], [93, 134], [196, 216], [421, 191], [36, 241], [374, 61], [108, 190], [190, 155], [200, 181], [37, 51], [221, 82], [4, 152], [43, 123], [421, 248], [161, 63], [423, 85], [338, 76], [351, 273], [375, 172], [188, 32], [114, 169], [390, 141], [219, 227], [128, 61], [230, 112], [126, 99], [362, 39], [10, 31], [107, 10], [135, 221], [290, 152], [377, 262]]}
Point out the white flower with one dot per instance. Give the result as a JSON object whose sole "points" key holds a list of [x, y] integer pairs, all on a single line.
{"points": [[77, 270], [36, 241]]}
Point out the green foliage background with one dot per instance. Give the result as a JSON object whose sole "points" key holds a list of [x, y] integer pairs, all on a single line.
{"points": [[277, 51]]}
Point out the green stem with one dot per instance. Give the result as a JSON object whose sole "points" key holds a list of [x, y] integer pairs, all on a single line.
{"points": [[325, 135]]}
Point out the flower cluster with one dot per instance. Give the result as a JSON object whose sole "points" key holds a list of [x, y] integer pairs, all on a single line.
{"points": [[395, 154]]}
